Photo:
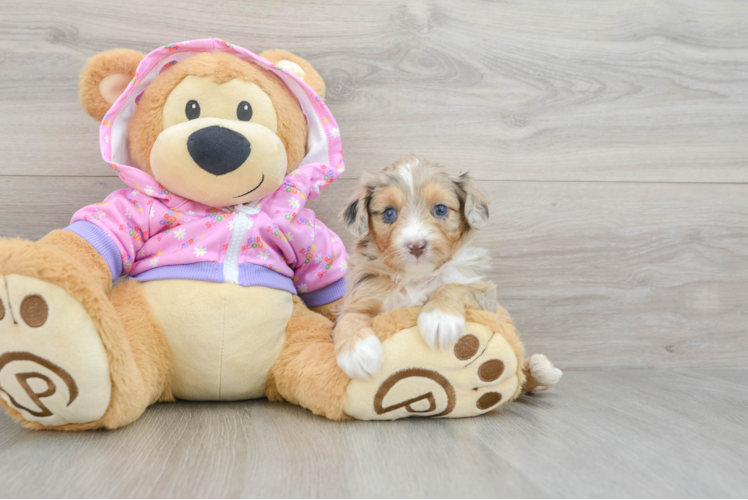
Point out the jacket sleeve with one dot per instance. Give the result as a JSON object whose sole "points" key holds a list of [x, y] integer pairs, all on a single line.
{"points": [[117, 227], [321, 261], [311, 180], [319, 256]]}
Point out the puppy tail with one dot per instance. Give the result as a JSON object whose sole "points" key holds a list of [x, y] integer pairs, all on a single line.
{"points": [[540, 373]]}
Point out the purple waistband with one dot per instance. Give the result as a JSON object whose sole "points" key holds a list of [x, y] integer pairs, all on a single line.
{"points": [[249, 274]]}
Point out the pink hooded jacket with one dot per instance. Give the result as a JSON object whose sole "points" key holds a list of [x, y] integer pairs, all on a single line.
{"points": [[148, 233]]}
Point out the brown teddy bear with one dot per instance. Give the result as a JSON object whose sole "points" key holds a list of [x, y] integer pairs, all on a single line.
{"points": [[220, 149]]}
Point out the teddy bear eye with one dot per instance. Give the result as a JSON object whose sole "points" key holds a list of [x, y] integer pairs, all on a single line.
{"points": [[244, 111], [192, 110]]}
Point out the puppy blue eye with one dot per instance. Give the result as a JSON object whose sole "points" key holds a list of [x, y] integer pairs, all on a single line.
{"points": [[389, 215], [441, 210]]}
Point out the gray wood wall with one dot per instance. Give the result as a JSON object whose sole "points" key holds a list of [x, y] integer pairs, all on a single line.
{"points": [[611, 137]]}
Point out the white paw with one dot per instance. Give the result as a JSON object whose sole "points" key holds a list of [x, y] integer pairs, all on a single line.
{"points": [[543, 371], [364, 360], [439, 329]]}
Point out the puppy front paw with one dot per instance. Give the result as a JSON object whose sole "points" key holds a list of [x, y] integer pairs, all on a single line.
{"points": [[440, 329], [363, 360]]}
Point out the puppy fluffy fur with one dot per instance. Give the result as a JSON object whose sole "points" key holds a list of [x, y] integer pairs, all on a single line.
{"points": [[416, 224]]}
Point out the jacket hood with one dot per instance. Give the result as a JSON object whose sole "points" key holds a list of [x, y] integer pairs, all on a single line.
{"points": [[323, 140]]}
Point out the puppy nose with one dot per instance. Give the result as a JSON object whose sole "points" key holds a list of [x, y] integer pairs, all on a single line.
{"points": [[417, 247], [218, 150]]}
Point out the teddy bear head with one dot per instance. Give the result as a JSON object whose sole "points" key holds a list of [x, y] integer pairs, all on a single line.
{"points": [[211, 127]]}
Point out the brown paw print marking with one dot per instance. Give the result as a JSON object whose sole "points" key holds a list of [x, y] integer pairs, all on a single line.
{"points": [[467, 347], [34, 311], [488, 400], [415, 372], [491, 370], [24, 377]]}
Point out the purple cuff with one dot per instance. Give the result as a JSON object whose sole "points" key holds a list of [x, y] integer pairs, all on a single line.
{"points": [[324, 295], [100, 240]]}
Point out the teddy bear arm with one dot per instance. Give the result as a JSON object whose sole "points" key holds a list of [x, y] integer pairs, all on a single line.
{"points": [[74, 246]]}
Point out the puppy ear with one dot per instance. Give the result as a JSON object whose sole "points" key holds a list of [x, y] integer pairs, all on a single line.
{"points": [[298, 66], [104, 78], [356, 214], [474, 202]]}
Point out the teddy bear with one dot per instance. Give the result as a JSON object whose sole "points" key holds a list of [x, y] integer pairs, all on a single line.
{"points": [[231, 281]]}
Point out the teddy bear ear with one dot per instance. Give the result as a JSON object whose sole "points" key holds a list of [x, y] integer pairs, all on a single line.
{"points": [[104, 78], [298, 66]]}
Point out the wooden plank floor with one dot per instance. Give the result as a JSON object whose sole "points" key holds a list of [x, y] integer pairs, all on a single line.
{"points": [[611, 139], [621, 433]]}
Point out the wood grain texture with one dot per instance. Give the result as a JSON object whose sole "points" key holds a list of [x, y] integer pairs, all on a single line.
{"points": [[520, 89], [625, 433]]}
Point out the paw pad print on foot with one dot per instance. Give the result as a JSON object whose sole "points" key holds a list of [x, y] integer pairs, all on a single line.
{"points": [[34, 311], [53, 366], [475, 376]]}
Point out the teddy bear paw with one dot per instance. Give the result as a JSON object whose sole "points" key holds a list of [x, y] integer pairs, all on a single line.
{"points": [[479, 374], [53, 366]]}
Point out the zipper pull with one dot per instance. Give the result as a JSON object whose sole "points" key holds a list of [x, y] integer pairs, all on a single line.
{"points": [[252, 208]]}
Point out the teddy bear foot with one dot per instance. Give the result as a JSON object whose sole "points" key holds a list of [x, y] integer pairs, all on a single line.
{"points": [[54, 369], [477, 375]]}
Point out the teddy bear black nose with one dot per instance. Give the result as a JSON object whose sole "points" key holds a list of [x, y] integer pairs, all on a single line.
{"points": [[218, 150]]}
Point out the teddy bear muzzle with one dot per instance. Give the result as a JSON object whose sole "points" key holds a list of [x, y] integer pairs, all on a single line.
{"points": [[219, 162]]}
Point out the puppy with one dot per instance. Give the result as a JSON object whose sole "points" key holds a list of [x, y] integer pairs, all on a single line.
{"points": [[416, 224]]}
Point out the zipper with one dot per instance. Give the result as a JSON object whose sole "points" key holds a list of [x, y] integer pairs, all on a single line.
{"points": [[241, 226]]}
